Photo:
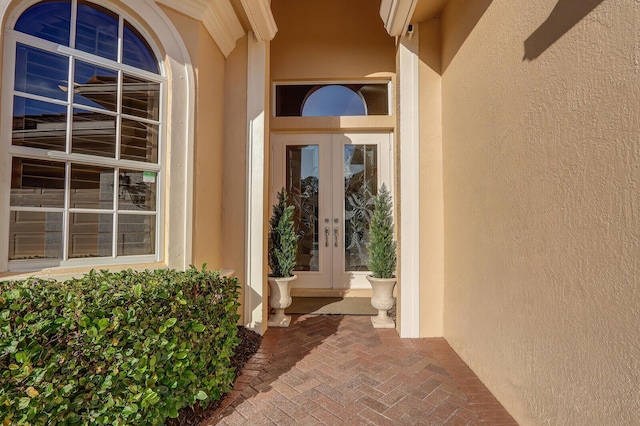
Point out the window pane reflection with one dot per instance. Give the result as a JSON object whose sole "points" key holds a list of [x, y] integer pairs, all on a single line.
{"points": [[49, 20], [136, 51], [39, 124], [35, 235], [87, 114], [139, 141], [360, 185], [91, 187], [302, 186], [97, 30], [95, 86], [136, 234], [137, 190], [93, 133], [41, 73], [140, 98], [90, 235], [37, 183], [333, 100], [295, 100]]}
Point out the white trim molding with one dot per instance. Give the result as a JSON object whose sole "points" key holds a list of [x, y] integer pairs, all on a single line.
{"points": [[409, 123], [261, 19], [180, 135], [396, 15], [217, 16], [256, 172]]}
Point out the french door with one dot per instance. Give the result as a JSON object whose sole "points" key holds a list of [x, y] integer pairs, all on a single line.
{"points": [[331, 179]]}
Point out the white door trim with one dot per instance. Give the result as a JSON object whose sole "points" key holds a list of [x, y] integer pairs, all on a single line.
{"points": [[331, 273]]}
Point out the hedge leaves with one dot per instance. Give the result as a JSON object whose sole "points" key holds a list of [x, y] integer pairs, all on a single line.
{"points": [[115, 348]]}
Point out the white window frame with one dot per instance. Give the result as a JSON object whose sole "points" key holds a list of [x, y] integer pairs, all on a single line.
{"points": [[386, 81], [8, 151]]}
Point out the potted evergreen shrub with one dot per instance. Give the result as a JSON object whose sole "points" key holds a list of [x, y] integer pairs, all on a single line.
{"points": [[382, 258], [282, 253]]}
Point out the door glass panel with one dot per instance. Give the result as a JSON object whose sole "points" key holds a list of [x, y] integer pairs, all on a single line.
{"points": [[360, 183], [302, 186]]}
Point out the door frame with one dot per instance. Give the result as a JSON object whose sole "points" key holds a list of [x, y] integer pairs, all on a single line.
{"points": [[331, 266]]}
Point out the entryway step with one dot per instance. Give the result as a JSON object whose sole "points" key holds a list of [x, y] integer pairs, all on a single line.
{"points": [[331, 306]]}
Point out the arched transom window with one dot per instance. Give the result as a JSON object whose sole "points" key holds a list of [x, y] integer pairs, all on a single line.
{"points": [[85, 98]]}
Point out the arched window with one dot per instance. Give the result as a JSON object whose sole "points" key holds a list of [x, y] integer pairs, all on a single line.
{"points": [[333, 101], [85, 92]]}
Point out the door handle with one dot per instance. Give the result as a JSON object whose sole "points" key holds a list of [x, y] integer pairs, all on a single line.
{"points": [[326, 236], [335, 236]]}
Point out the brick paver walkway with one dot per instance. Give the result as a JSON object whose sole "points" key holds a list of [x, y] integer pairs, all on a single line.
{"points": [[338, 370]]}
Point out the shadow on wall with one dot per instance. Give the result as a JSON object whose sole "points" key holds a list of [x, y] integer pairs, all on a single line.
{"points": [[470, 12], [563, 17]]}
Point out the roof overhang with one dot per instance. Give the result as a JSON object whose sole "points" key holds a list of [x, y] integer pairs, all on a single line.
{"points": [[396, 15], [261, 18], [222, 23]]}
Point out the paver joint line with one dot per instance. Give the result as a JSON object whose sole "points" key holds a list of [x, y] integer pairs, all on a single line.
{"points": [[339, 370]]}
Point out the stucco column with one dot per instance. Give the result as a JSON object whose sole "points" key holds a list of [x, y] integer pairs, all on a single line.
{"points": [[409, 193], [256, 172]]}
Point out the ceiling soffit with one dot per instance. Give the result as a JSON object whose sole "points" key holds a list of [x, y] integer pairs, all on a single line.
{"points": [[427, 9]]}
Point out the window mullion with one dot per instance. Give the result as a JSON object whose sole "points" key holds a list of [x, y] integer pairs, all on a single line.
{"points": [[88, 159], [66, 216], [116, 195], [40, 98], [120, 39], [71, 85], [66, 226], [74, 16], [119, 112]]}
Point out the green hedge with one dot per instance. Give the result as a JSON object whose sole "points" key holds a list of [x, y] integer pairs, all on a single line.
{"points": [[115, 348]]}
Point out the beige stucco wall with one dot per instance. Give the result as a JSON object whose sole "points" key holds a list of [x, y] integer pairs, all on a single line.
{"points": [[431, 184], [209, 68], [234, 176], [541, 145], [329, 39]]}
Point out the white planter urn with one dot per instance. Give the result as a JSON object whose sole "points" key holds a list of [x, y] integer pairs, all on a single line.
{"points": [[280, 299], [382, 300]]}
